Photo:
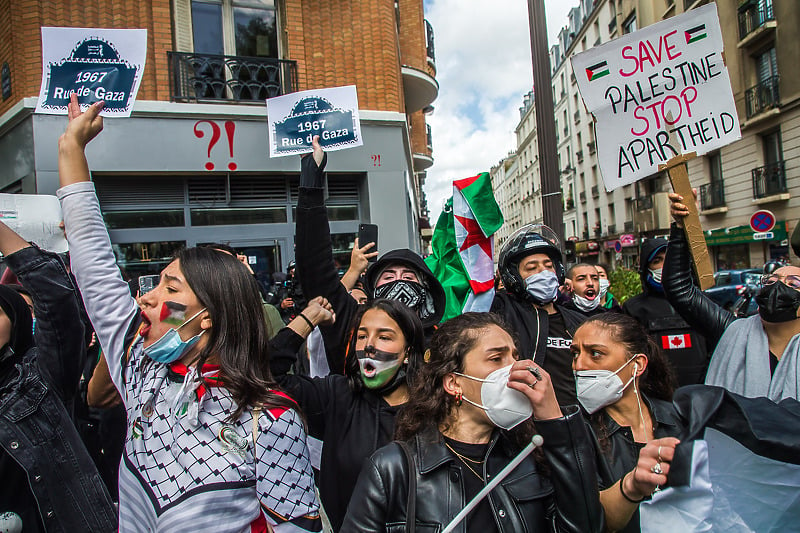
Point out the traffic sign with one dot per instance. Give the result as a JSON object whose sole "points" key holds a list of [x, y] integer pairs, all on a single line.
{"points": [[762, 221]]}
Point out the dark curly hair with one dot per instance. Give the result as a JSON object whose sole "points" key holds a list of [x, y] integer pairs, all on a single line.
{"points": [[658, 379], [429, 404], [410, 326]]}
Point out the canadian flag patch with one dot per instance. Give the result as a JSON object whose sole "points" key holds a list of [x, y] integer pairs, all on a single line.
{"points": [[676, 342]]}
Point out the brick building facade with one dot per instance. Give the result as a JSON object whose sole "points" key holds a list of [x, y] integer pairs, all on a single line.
{"points": [[216, 61]]}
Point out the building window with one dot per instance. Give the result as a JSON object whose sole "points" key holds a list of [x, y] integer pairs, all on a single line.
{"points": [[630, 24], [235, 27]]}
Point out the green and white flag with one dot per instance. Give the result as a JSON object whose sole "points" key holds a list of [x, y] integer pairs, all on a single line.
{"points": [[463, 245]]}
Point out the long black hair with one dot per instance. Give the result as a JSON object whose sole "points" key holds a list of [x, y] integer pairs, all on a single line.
{"points": [[238, 334], [410, 326]]}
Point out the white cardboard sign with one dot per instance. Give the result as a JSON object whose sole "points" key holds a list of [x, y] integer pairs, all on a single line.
{"points": [[656, 93], [36, 218], [295, 118], [96, 64]]}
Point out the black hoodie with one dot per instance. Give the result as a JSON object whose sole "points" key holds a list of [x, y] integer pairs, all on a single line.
{"points": [[319, 277]]}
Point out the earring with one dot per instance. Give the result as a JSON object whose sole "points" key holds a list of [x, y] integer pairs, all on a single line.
{"points": [[459, 396]]}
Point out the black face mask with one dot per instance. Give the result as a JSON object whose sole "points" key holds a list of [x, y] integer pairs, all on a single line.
{"points": [[778, 302], [409, 293]]}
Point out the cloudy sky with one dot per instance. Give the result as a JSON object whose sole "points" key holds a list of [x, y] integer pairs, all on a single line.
{"points": [[483, 62]]}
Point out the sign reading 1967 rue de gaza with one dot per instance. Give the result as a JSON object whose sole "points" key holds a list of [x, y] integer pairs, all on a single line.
{"points": [[294, 119], [657, 93], [96, 64]]}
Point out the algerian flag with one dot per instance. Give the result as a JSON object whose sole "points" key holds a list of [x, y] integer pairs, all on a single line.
{"points": [[463, 245]]}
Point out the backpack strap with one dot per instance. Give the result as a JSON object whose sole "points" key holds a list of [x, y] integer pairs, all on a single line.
{"points": [[411, 505]]}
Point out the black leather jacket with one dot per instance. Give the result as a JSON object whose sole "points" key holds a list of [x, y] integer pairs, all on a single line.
{"points": [[36, 399], [566, 499], [689, 301]]}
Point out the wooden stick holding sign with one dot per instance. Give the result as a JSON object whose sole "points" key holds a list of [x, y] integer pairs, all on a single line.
{"points": [[679, 177]]}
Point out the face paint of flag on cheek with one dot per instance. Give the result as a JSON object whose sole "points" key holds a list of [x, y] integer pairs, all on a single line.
{"points": [[173, 313]]}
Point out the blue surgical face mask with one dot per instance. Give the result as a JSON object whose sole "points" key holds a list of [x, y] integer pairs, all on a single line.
{"points": [[170, 347], [542, 286]]}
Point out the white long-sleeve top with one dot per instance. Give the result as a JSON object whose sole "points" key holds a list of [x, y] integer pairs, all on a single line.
{"points": [[179, 473]]}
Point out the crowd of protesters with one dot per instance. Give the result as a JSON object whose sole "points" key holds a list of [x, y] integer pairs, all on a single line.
{"points": [[344, 403]]}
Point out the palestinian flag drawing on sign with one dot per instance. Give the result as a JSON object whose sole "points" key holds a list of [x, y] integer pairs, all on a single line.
{"points": [[597, 71], [695, 34]]}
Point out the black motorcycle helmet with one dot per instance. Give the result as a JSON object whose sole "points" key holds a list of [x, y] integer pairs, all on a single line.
{"points": [[530, 239]]}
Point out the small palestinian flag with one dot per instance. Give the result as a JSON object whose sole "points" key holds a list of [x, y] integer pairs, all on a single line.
{"points": [[173, 313], [597, 71], [695, 34]]}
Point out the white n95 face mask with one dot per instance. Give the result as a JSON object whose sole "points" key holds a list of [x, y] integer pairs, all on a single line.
{"points": [[600, 388], [505, 407]]}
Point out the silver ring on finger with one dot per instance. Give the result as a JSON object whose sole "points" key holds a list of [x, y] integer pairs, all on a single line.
{"points": [[535, 373], [532, 385], [657, 468], [660, 460]]}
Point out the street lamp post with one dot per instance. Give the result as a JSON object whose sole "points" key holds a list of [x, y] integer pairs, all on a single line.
{"points": [[552, 207]]}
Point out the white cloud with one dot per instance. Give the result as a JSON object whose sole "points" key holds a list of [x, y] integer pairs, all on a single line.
{"points": [[483, 60]]}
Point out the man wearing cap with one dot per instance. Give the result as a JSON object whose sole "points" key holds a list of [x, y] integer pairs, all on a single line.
{"points": [[532, 269], [397, 275], [684, 347]]}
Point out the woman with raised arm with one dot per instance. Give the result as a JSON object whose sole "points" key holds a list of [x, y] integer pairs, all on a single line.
{"points": [[212, 445], [353, 415], [467, 418]]}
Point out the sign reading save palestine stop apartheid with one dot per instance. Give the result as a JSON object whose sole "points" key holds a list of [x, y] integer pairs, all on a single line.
{"points": [[657, 93]]}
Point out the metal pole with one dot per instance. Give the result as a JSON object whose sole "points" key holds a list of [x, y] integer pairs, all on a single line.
{"points": [[552, 206], [536, 441]]}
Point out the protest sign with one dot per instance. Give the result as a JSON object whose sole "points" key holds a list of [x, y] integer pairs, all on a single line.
{"points": [[36, 218], [95, 64], [658, 93], [294, 119]]}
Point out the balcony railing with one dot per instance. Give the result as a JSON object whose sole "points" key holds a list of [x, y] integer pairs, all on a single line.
{"points": [[595, 191], [429, 134], [429, 48], [612, 26], [569, 204], [754, 16], [612, 229], [628, 226], [586, 235], [583, 197], [579, 156], [712, 195], [577, 116], [205, 77], [591, 147], [769, 180], [643, 203], [763, 96]]}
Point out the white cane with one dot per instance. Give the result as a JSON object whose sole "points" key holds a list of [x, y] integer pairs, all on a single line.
{"points": [[536, 441]]}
